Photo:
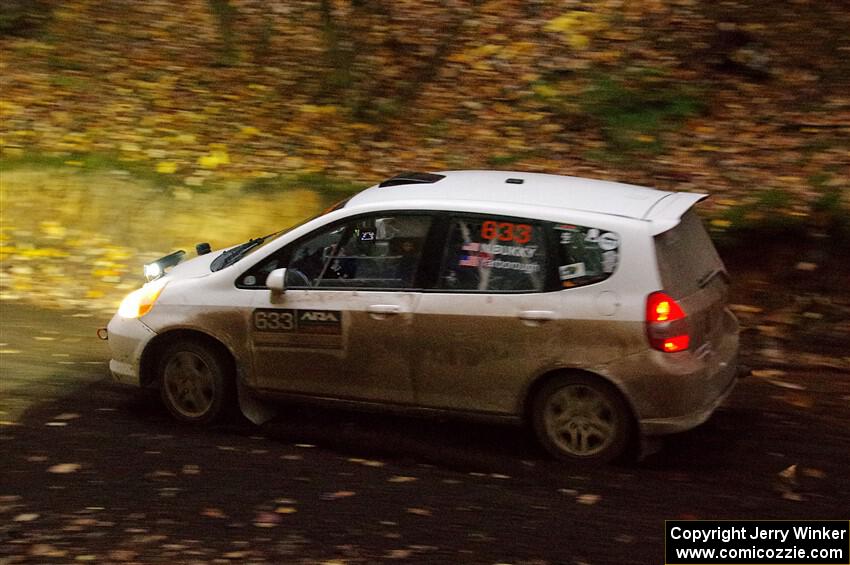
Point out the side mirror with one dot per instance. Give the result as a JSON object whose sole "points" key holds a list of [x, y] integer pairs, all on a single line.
{"points": [[276, 281]]}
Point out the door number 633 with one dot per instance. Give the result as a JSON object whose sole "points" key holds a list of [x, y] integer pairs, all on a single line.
{"points": [[265, 320]]}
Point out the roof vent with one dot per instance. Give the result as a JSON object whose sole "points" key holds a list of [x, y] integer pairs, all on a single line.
{"points": [[515, 181], [412, 178]]}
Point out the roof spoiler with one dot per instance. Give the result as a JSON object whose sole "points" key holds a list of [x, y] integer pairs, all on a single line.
{"points": [[668, 211]]}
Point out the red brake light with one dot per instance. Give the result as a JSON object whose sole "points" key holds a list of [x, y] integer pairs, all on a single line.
{"points": [[666, 324], [662, 308]]}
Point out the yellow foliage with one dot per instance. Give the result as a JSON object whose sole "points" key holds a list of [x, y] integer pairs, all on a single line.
{"points": [[166, 167], [326, 110], [576, 27], [215, 158], [545, 90]]}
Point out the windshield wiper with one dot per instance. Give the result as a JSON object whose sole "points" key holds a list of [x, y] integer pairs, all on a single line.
{"points": [[710, 276], [233, 254]]}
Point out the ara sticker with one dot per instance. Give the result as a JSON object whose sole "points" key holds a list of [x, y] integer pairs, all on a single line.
{"points": [[301, 321], [367, 235], [573, 271]]}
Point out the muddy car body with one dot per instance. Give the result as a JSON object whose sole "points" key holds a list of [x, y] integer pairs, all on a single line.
{"points": [[593, 311]]}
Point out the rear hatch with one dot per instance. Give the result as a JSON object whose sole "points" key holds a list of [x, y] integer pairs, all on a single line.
{"points": [[693, 274]]}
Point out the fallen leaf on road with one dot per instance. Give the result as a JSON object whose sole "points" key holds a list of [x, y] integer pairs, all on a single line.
{"points": [[745, 309], [799, 400], [285, 510], [814, 473], [419, 511], [398, 554], [366, 462], [401, 479], [785, 384], [338, 494], [66, 416], [64, 468], [213, 513], [767, 373], [588, 499], [46, 550], [29, 517], [266, 520]]}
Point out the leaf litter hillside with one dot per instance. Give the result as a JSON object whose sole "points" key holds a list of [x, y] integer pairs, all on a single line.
{"points": [[747, 100]]}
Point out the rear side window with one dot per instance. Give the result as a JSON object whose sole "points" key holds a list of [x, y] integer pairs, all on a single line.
{"points": [[686, 256], [494, 255], [586, 255]]}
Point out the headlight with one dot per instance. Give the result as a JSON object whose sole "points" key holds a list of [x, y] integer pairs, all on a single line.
{"points": [[157, 268], [139, 302]]}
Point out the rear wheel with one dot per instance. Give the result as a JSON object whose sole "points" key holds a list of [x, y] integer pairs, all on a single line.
{"points": [[582, 418], [196, 382]]}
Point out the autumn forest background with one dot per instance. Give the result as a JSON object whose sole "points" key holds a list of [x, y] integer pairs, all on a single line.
{"points": [[130, 129]]}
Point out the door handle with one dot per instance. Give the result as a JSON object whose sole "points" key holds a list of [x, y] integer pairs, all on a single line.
{"points": [[380, 311], [537, 315]]}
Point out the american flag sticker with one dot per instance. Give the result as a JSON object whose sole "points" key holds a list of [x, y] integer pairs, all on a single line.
{"points": [[469, 261]]}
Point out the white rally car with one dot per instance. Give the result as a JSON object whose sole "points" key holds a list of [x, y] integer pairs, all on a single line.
{"points": [[593, 311]]}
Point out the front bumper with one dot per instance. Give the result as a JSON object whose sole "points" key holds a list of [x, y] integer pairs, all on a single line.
{"points": [[127, 341]]}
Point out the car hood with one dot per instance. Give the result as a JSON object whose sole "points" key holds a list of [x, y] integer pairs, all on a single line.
{"points": [[195, 267]]}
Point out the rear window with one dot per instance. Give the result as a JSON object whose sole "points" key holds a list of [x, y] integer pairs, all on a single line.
{"points": [[686, 256]]}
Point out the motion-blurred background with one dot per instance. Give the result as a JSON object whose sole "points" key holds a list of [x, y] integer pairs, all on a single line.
{"points": [[130, 129]]}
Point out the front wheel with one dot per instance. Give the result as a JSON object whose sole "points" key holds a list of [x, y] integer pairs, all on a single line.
{"points": [[196, 382], [582, 418]]}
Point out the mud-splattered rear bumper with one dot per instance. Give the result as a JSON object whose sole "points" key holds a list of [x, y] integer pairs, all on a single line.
{"points": [[698, 415], [127, 340]]}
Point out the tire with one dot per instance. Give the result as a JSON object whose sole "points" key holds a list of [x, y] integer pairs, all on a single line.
{"points": [[582, 418], [196, 382]]}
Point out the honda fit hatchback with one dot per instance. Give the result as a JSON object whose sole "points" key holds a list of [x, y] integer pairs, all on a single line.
{"points": [[593, 311]]}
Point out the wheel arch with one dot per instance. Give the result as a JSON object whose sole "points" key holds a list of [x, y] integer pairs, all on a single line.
{"points": [[153, 352], [538, 383]]}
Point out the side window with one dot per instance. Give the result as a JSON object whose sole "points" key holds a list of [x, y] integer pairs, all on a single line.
{"points": [[371, 252], [494, 254], [586, 255]]}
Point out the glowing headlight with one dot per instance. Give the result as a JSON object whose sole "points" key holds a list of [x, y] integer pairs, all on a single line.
{"points": [[139, 302], [152, 271], [157, 268]]}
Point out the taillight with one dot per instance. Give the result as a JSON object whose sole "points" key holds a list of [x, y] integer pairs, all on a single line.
{"points": [[666, 324]]}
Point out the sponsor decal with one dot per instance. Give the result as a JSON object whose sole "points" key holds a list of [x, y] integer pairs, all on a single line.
{"points": [[490, 263], [298, 321], [573, 271], [526, 252]]}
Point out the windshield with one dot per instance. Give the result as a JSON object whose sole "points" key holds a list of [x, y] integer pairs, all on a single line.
{"points": [[239, 252]]}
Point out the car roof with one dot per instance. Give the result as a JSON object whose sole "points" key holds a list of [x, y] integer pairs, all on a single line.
{"points": [[519, 188]]}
